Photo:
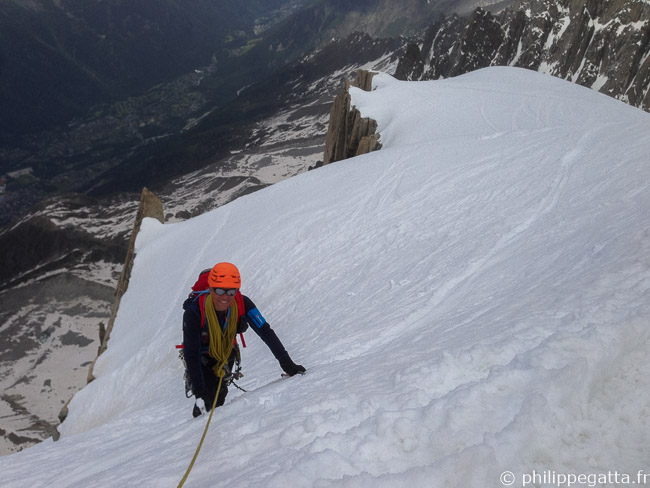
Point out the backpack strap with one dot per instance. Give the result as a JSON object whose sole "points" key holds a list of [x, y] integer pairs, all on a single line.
{"points": [[202, 296], [241, 306]]}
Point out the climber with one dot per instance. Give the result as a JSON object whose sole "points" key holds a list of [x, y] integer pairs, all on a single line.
{"points": [[215, 312]]}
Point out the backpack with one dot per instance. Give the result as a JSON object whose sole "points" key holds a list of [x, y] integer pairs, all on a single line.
{"points": [[200, 291]]}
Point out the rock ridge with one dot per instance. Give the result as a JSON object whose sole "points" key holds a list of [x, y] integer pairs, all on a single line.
{"points": [[348, 133], [603, 45], [150, 206]]}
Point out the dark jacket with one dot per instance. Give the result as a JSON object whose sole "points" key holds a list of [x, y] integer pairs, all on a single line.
{"points": [[194, 348]]}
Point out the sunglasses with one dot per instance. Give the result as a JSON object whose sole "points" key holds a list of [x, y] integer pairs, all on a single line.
{"points": [[231, 292]]}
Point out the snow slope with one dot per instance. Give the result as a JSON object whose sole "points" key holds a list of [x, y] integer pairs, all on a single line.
{"points": [[473, 299]]}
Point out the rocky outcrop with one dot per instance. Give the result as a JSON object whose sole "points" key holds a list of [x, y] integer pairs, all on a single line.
{"points": [[348, 133], [150, 206], [603, 45]]}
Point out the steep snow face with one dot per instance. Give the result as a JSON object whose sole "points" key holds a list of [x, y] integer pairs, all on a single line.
{"points": [[469, 301], [278, 147]]}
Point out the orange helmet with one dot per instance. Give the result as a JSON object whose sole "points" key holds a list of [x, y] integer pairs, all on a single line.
{"points": [[224, 275]]}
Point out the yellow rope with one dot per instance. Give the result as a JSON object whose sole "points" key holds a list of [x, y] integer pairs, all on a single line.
{"points": [[205, 431], [221, 342]]}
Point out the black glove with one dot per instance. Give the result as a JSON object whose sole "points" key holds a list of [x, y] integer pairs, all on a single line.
{"points": [[196, 411], [291, 368], [242, 325]]}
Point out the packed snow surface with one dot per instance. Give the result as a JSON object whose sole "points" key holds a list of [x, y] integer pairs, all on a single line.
{"points": [[471, 304]]}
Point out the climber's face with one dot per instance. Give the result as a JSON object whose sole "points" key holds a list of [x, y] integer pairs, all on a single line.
{"points": [[222, 299]]}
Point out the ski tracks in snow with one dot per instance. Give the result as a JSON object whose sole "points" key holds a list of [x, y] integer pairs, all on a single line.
{"points": [[545, 206]]}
